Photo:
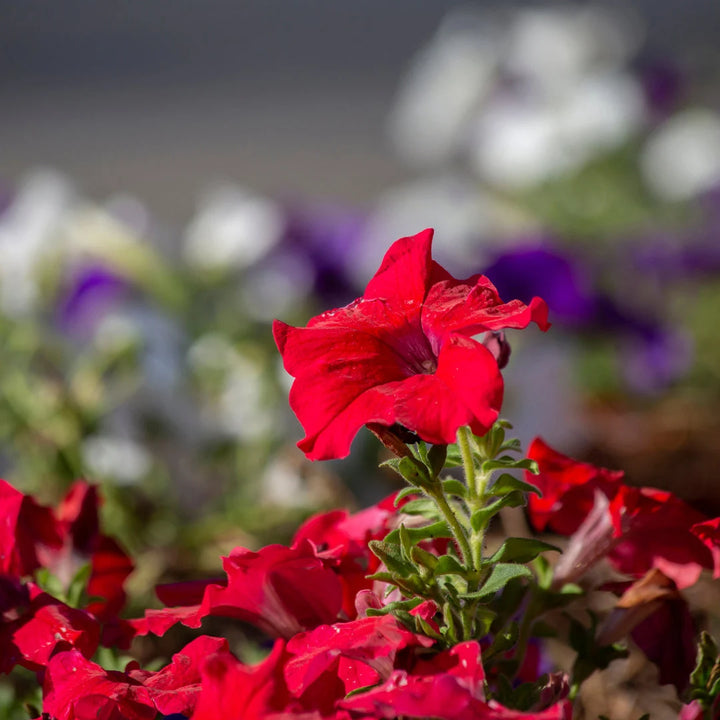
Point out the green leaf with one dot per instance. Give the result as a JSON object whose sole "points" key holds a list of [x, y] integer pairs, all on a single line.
{"points": [[424, 558], [508, 462], [512, 445], [453, 457], [521, 550], [404, 492], [500, 575], [451, 486], [405, 541], [421, 506], [393, 607], [506, 483], [391, 555], [449, 565], [411, 469], [436, 458], [78, 586], [482, 516], [438, 529]]}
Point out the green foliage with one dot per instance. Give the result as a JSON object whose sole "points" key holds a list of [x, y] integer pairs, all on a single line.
{"points": [[705, 678]]}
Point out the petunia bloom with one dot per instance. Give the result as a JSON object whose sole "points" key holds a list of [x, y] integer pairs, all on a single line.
{"points": [[637, 528], [402, 353]]}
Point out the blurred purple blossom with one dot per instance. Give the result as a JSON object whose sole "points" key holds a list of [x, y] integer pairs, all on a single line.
{"points": [[651, 354], [91, 293], [662, 83], [325, 236]]}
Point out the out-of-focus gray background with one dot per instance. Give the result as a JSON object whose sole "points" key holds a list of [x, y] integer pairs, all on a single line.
{"points": [[161, 98]]}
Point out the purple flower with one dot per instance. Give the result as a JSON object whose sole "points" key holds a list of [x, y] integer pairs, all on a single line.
{"points": [[92, 292], [325, 235]]}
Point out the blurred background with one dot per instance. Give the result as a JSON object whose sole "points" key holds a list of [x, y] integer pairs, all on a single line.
{"points": [[173, 175]]}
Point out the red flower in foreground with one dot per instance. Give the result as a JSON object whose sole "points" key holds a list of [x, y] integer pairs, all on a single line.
{"points": [[402, 353]]}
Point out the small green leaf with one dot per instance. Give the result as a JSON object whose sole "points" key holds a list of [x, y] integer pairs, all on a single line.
{"points": [[508, 462], [451, 486], [410, 468], [424, 558], [421, 506], [436, 458], [500, 575], [506, 483], [521, 550], [438, 529], [448, 565], [405, 541], [391, 555], [404, 492], [482, 516]]}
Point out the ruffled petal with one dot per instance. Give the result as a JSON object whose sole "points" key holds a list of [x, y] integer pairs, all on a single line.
{"points": [[406, 272], [472, 306]]}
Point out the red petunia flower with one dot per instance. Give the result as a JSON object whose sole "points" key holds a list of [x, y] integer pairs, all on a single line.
{"points": [[637, 528], [402, 353], [42, 629], [332, 660], [231, 689], [281, 590]]}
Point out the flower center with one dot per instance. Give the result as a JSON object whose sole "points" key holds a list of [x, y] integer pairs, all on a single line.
{"points": [[416, 354]]}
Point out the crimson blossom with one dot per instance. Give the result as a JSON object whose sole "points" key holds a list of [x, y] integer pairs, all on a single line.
{"points": [[403, 354]]}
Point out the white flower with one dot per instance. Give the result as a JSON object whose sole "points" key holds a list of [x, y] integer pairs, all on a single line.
{"points": [[118, 458], [682, 158], [233, 228], [28, 231]]}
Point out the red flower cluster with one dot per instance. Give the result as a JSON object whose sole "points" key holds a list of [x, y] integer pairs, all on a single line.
{"points": [[34, 625], [638, 528], [329, 661], [402, 353]]}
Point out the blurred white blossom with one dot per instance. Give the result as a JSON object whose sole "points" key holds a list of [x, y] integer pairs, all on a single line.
{"points": [[120, 459], [233, 228], [682, 158], [28, 230]]}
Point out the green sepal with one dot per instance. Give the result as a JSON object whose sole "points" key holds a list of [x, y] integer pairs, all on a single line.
{"points": [[500, 575], [482, 516], [436, 458], [411, 469], [521, 550], [506, 483]]}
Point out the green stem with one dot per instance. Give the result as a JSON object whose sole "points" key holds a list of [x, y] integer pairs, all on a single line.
{"points": [[455, 526], [464, 438], [476, 483]]}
